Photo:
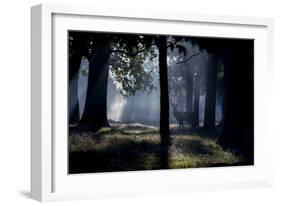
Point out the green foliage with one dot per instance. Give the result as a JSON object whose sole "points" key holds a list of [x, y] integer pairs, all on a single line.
{"points": [[178, 72], [129, 73], [129, 54], [126, 63]]}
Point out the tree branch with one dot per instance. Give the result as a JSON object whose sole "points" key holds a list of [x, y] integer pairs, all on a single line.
{"points": [[119, 51], [189, 58], [127, 53]]}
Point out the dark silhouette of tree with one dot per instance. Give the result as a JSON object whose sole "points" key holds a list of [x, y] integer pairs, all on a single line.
{"points": [[73, 103], [195, 122], [214, 47], [100, 47], [164, 101], [188, 78], [238, 92], [210, 105], [237, 131], [77, 49], [95, 113], [220, 86], [189, 90]]}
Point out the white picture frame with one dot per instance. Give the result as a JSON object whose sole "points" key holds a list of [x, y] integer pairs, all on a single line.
{"points": [[49, 178]]}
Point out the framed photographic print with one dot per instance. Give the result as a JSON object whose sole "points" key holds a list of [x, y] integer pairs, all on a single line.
{"points": [[137, 102]]}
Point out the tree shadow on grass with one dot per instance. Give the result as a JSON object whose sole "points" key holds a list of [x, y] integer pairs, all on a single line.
{"points": [[126, 155]]}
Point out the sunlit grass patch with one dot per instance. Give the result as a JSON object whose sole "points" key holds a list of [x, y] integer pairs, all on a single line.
{"points": [[193, 151]]}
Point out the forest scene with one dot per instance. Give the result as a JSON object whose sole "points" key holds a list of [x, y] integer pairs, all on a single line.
{"points": [[149, 102]]}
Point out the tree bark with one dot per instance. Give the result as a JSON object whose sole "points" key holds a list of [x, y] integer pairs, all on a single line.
{"points": [[95, 112], [238, 125], [164, 102], [225, 57], [189, 91], [75, 57], [195, 122], [210, 105], [232, 128]]}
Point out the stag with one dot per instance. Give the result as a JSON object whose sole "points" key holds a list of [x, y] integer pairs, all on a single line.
{"points": [[182, 116]]}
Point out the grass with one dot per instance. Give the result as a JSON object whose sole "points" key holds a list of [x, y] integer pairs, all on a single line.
{"points": [[137, 147], [195, 151]]}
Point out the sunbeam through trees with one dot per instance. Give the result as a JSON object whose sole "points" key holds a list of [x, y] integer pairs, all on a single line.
{"points": [[146, 102]]}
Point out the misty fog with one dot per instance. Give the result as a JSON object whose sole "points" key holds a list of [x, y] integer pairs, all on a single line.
{"points": [[145, 108]]}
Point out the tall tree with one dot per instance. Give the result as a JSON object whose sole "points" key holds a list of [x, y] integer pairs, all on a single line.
{"points": [[214, 47], [77, 49], [210, 105], [195, 122], [131, 45], [184, 75], [102, 46], [95, 114], [237, 131], [73, 103], [164, 101], [189, 90]]}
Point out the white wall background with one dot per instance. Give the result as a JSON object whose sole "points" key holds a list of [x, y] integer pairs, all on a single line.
{"points": [[15, 102]]}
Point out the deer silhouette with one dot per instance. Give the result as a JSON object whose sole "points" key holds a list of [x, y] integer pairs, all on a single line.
{"points": [[182, 116]]}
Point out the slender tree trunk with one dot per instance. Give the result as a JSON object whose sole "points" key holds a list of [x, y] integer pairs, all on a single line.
{"points": [[189, 91], [195, 122], [73, 101], [226, 65], [210, 105], [164, 102], [95, 112]]}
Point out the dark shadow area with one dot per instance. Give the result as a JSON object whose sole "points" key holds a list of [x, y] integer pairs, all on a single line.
{"points": [[240, 163], [126, 155]]}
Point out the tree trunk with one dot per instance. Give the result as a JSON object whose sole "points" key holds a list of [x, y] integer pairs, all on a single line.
{"points": [[95, 112], [189, 91], [232, 128], [225, 57], [73, 101], [238, 125], [210, 105], [195, 122], [164, 102]]}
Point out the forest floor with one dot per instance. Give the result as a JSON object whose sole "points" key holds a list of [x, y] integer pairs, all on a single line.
{"points": [[124, 147]]}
